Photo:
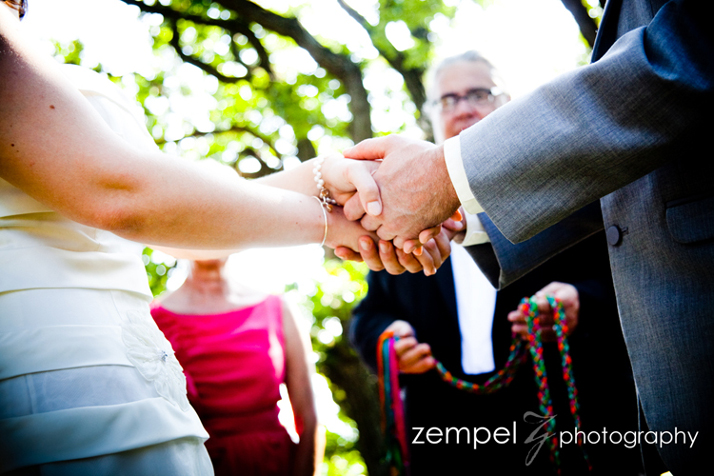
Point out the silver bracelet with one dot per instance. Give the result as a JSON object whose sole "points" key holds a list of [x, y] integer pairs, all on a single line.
{"points": [[324, 214], [323, 193]]}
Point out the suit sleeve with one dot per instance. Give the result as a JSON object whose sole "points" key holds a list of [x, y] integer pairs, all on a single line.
{"points": [[372, 316], [537, 160], [503, 262]]}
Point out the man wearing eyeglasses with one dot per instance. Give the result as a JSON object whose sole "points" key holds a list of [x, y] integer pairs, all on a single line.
{"points": [[465, 91], [457, 317]]}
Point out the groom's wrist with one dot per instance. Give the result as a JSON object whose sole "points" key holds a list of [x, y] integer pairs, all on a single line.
{"points": [[450, 196]]}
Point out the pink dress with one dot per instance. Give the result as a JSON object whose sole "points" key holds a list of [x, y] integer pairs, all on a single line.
{"points": [[234, 363]]}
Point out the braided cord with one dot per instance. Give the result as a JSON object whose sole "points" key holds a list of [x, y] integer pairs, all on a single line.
{"points": [[529, 307], [392, 408], [393, 421]]}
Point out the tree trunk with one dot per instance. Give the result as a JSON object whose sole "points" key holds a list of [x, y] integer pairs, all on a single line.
{"points": [[345, 370]]}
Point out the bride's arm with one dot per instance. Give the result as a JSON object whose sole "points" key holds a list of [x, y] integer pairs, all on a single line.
{"points": [[343, 177], [341, 233], [56, 148]]}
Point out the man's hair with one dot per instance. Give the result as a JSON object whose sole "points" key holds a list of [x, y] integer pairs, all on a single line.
{"points": [[471, 56], [19, 5], [430, 109]]}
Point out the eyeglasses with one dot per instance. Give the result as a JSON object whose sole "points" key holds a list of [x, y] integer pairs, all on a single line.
{"points": [[477, 97]]}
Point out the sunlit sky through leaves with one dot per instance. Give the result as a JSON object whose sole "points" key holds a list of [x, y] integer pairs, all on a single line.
{"points": [[530, 41]]}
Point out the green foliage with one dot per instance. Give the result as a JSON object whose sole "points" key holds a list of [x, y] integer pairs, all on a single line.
{"points": [[68, 53], [71, 53], [266, 107], [417, 15], [332, 303], [159, 268], [344, 463], [255, 113], [331, 306]]}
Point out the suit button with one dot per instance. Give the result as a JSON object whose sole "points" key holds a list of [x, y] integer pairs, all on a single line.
{"points": [[614, 235]]}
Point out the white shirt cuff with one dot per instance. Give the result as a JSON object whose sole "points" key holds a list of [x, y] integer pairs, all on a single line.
{"points": [[474, 234], [457, 174]]}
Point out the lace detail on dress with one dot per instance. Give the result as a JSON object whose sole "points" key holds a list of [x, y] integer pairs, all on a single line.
{"points": [[152, 355]]}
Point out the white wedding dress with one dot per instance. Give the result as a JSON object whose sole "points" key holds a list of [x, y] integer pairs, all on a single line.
{"points": [[88, 383]]}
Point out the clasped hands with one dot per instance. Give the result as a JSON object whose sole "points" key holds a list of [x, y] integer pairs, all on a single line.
{"points": [[399, 189]]}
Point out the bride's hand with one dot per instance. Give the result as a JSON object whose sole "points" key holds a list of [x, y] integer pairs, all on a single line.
{"points": [[451, 227], [345, 177], [345, 234]]}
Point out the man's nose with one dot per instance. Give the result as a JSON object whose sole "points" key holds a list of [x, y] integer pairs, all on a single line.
{"points": [[465, 108]]}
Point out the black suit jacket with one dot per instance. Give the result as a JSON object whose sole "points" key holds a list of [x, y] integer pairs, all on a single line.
{"points": [[597, 348]]}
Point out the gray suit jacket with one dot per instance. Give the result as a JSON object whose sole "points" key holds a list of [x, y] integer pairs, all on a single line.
{"points": [[631, 129]]}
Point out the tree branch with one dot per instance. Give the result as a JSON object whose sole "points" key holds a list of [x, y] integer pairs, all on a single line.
{"points": [[587, 25], [356, 16], [264, 168], [306, 150], [396, 59], [346, 371], [198, 63], [338, 65], [235, 129], [233, 25]]}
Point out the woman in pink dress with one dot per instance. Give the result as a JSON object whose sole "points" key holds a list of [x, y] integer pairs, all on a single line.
{"points": [[236, 348]]}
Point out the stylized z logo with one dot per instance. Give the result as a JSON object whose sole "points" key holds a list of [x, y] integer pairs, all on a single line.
{"points": [[542, 423]]}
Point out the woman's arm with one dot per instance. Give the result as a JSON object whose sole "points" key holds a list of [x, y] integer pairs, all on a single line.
{"points": [[342, 233], [56, 148], [311, 448], [343, 177]]}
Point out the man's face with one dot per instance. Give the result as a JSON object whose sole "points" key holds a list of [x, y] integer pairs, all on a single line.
{"points": [[457, 80]]}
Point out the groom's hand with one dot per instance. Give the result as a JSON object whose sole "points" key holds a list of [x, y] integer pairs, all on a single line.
{"points": [[386, 256], [414, 186]]}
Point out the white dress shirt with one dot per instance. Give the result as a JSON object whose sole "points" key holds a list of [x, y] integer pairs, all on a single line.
{"points": [[475, 304]]}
